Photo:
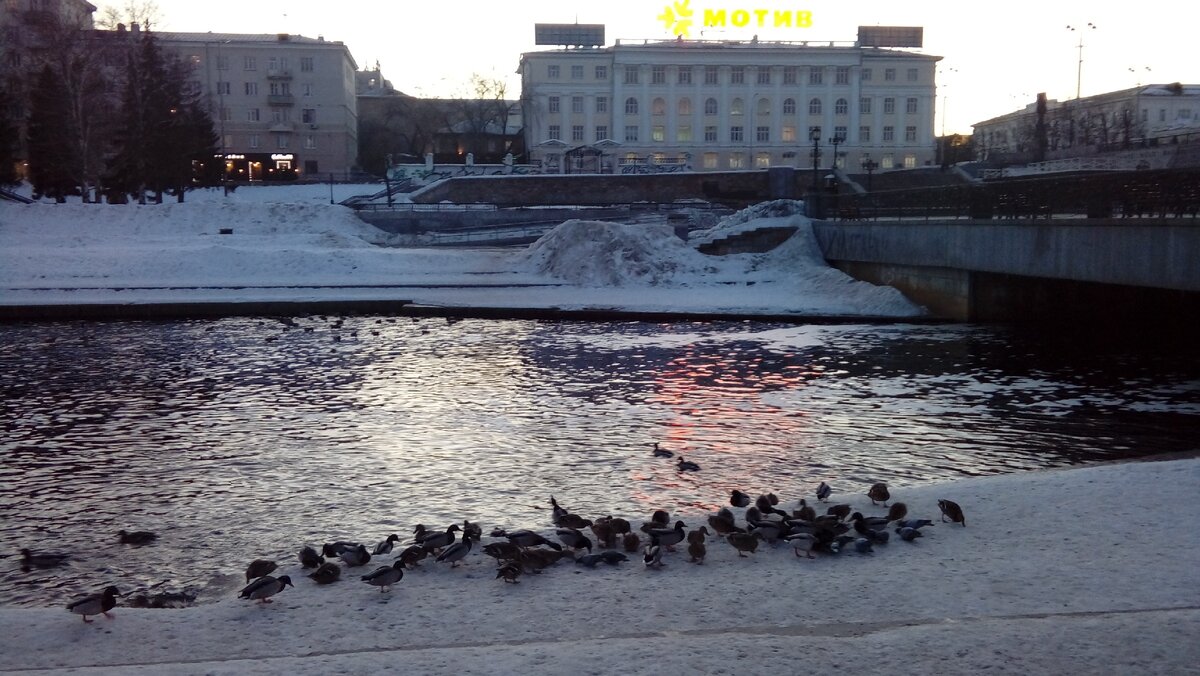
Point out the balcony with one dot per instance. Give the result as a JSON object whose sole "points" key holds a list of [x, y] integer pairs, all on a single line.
{"points": [[278, 74], [281, 100], [282, 126]]}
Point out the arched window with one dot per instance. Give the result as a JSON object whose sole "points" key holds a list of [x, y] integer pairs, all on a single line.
{"points": [[789, 106], [685, 106], [814, 107], [841, 107], [631, 106], [710, 106], [736, 108], [658, 107], [764, 107]]}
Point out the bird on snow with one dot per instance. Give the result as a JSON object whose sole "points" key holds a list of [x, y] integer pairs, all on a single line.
{"points": [[914, 523], [265, 587], [613, 558], [803, 542], [574, 539], [326, 573], [879, 492], [840, 511], [456, 552], [662, 452], [559, 511], [953, 511], [412, 555], [823, 491], [697, 550], [668, 537], [897, 511], [355, 557], [863, 546], [806, 512], [738, 498], [309, 558], [95, 604], [908, 534], [139, 537], [385, 576], [722, 522], [385, 547], [509, 572], [687, 465], [764, 505], [589, 560], [743, 542], [653, 556], [332, 550], [259, 568], [435, 541], [631, 542], [526, 538]]}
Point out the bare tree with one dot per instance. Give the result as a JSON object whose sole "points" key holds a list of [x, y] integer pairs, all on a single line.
{"points": [[145, 13]]}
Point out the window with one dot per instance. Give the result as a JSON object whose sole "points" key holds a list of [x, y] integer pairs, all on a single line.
{"points": [[864, 105], [252, 115], [737, 134], [789, 75], [222, 63], [889, 133], [842, 75], [910, 106], [866, 74], [577, 132], [683, 135], [223, 88], [308, 116], [764, 75], [281, 89], [1185, 113], [601, 132], [710, 134], [601, 104], [887, 161], [249, 63], [685, 75], [306, 64], [788, 134], [737, 160], [840, 132], [841, 107], [736, 108], [864, 134], [273, 63], [251, 89], [279, 115], [601, 72], [631, 106], [762, 134], [910, 161], [576, 72], [889, 74], [910, 134], [737, 75], [659, 158], [631, 74], [889, 106], [762, 160], [789, 157], [710, 75], [912, 75], [631, 133], [764, 107], [815, 75], [554, 104], [710, 160], [554, 132], [576, 104], [789, 106], [658, 75], [685, 106], [710, 106], [552, 71], [310, 142], [282, 140], [658, 106], [814, 107], [254, 142]]}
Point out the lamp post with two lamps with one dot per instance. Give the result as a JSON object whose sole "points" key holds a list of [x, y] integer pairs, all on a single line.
{"points": [[814, 135], [1079, 69]]}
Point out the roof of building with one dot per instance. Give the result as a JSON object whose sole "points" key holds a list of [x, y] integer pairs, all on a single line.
{"points": [[245, 38]]}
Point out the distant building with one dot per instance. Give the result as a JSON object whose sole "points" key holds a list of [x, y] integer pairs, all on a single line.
{"points": [[728, 105]]}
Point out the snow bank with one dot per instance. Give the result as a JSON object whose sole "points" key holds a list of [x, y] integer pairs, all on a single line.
{"points": [[753, 217], [598, 253]]}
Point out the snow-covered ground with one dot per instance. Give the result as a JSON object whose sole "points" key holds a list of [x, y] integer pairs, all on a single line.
{"points": [[1081, 571], [286, 246]]}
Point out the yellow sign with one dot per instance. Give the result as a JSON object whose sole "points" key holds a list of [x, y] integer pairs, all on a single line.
{"points": [[678, 18]]}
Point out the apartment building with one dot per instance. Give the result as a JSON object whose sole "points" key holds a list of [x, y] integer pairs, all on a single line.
{"points": [[728, 105]]}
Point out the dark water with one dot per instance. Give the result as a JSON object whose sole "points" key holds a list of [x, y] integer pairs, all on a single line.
{"points": [[243, 438]]}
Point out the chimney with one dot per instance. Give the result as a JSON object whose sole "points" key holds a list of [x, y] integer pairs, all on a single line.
{"points": [[120, 29], [283, 37], [134, 28]]}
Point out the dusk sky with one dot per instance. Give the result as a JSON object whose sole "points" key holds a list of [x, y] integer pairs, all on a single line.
{"points": [[996, 56]]}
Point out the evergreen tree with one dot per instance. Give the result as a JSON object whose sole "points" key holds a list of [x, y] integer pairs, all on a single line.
{"points": [[50, 153]]}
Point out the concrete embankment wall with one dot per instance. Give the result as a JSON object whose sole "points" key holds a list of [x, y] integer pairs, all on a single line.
{"points": [[611, 189], [405, 221], [1005, 271]]}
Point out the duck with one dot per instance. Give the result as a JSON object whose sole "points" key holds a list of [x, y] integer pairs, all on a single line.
{"points": [[412, 555], [386, 576], [908, 533], [332, 550], [95, 604], [768, 530], [502, 551], [456, 552], [602, 529], [879, 493], [259, 568], [722, 522], [652, 557], [868, 521], [738, 498], [472, 531], [326, 573], [355, 557], [558, 511], [631, 542], [698, 535], [574, 521], [823, 491], [840, 511], [309, 558], [265, 587], [897, 511], [765, 506], [697, 551], [572, 538], [951, 510], [743, 542], [662, 452], [687, 465], [139, 537], [619, 526], [385, 547], [526, 538], [805, 513], [803, 542], [43, 560], [510, 572], [668, 537], [434, 542]]}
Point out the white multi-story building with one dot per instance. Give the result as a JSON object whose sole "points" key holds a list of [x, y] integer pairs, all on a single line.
{"points": [[282, 104], [724, 105]]}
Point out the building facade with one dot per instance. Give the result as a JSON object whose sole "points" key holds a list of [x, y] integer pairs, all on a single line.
{"points": [[283, 105], [722, 105]]}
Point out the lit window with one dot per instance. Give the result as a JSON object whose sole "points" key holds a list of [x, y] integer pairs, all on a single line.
{"points": [[762, 160], [658, 133], [685, 106], [683, 135], [310, 142], [788, 134], [658, 106], [710, 160], [764, 107], [736, 107], [737, 160]]}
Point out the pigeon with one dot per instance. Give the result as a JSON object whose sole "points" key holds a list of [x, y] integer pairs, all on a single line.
{"points": [[613, 558], [265, 587], [95, 604], [908, 534], [863, 546], [386, 576]]}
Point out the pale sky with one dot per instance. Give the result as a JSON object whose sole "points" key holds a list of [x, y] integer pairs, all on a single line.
{"points": [[996, 55]]}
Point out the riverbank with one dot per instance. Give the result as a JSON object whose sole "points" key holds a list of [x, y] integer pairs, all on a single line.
{"points": [[1088, 570]]}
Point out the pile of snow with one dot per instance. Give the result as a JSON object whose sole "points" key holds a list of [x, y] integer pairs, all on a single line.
{"points": [[775, 212], [598, 253]]}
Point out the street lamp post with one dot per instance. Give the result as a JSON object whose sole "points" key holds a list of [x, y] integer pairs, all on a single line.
{"points": [[837, 139], [869, 165], [1079, 68], [814, 135]]}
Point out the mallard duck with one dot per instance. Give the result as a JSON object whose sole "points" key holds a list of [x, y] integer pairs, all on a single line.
{"points": [[840, 511], [770, 531], [805, 513], [385, 547], [823, 491], [697, 551], [951, 510], [502, 551], [572, 538], [743, 542], [897, 511], [412, 555], [355, 557], [738, 498], [309, 558], [259, 568], [95, 604], [764, 505], [574, 521], [327, 573], [43, 560], [526, 538], [722, 522], [652, 557], [803, 542], [558, 511], [332, 550], [602, 529], [456, 552], [687, 465], [434, 542], [140, 537], [509, 572], [619, 526], [859, 521], [879, 493], [698, 535], [662, 452], [472, 531], [385, 576], [265, 587], [668, 537], [631, 542]]}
